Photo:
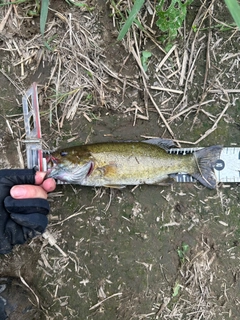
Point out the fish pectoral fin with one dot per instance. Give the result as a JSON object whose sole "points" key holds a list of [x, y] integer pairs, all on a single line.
{"points": [[165, 144], [114, 186], [108, 170]]}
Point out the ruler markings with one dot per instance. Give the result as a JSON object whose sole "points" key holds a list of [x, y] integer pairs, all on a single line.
{"points": [[227, 168]]}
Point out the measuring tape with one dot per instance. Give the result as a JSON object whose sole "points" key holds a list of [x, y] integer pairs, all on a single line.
{"points": [[227, 167]]}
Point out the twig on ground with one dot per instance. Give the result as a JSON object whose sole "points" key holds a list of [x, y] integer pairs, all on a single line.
{"points": [[101, 302], [4, 20]]}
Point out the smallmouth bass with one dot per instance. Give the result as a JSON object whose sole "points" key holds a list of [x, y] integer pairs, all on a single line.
{"points": [[117, 164]]}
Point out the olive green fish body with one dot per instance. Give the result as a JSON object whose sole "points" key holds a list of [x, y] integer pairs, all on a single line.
{"points": [[130, 163], [133, 164]]}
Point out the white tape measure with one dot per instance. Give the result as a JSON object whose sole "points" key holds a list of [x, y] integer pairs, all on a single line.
{"points": [[227, 167]]}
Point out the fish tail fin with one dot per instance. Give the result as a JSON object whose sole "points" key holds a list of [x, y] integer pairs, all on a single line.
{"points": [[206, 159]]}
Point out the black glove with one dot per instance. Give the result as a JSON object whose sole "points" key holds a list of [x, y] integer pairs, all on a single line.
{"points": [[19, 219]]}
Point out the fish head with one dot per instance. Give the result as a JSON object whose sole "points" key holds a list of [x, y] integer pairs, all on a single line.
{"points": [[69, 165]]}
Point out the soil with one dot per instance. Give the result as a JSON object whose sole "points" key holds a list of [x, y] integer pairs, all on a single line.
{"points": [[152, 252]]}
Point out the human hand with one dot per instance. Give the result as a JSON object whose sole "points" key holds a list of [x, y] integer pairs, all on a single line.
{"points": [[39, 190], [23, 206]]}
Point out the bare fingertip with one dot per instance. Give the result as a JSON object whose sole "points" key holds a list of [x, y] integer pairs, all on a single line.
{"points": [[18, 192], [49, 184]]}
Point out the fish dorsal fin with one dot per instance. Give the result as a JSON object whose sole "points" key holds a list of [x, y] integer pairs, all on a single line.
{"points": [[165, 144]]}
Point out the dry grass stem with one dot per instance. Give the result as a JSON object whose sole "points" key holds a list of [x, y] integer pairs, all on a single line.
{"points": [[220, 91], [209, 131], [166, 89], [69, 217], [102, 301], [53, 242], [165, 58], [4, 20], [187, 110], [29, 288]]}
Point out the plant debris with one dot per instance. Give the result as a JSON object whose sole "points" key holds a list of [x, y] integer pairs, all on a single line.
{"points": [[114, 253]]}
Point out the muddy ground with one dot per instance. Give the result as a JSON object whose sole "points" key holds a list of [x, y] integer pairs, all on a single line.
{"points": [[151, 252]]}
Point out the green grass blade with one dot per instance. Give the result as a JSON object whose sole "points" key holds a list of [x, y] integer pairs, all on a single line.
{"points": [[234, 8], [43, 15], [132, 15]]}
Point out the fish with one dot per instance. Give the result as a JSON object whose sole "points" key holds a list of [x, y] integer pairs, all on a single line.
{"points": [[118, 164]]}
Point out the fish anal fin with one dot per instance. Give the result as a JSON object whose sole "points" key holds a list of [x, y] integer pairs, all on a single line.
{"points": [[209, 182]]}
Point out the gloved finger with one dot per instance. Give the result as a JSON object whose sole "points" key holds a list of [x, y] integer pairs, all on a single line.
{"points": [[28, 191], [26, 206], [12, 177], [5, 246], [35, 221], [15, 233], [3, 314]]}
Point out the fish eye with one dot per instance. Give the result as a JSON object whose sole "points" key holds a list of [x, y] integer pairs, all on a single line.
{"points": [[63, 153]]}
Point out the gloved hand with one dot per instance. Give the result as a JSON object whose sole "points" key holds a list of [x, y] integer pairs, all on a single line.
{"points": [[20, 219]]}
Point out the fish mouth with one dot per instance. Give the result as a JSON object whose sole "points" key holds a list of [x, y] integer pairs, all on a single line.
{"points": [[52, 162]]}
